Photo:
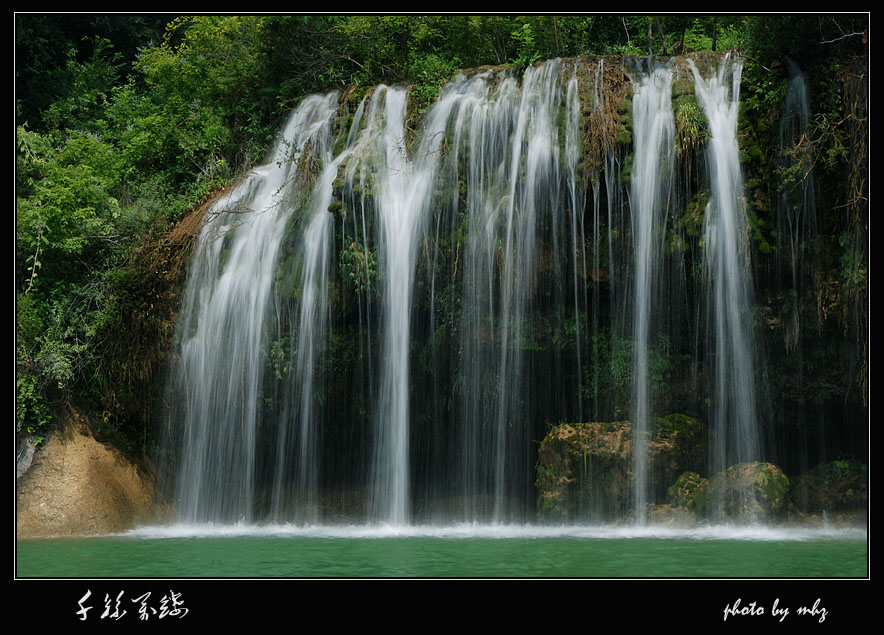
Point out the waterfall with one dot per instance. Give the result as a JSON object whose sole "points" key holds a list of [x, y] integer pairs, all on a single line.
{"points": [[653, 132], [505, 147], [226, 323], [403, 187], [796, 233], [797, 213], [577, 198], [398, 209], [383, 322], [734, 418]]}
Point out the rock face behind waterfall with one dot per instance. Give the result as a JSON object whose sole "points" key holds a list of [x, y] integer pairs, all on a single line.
{"points": [[745, 492], [834, 486], [677, 443], [584, 470], [681, 493], [382, 322]]}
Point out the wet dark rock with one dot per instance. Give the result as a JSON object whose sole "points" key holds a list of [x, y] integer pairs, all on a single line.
{"points": [[745, 492], [681, 493], [585, 470], [836, 485]]}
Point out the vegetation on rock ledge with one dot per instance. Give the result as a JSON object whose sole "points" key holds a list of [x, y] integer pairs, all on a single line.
{"points": [[127, 124]]}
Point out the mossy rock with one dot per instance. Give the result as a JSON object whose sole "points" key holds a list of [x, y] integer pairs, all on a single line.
{"points": [[682, 87], [677, 443], [584, 470], [626, 170], [694, 217], [624, 111], [681, 493], [745, 492], [670, 515], [836, 485]]}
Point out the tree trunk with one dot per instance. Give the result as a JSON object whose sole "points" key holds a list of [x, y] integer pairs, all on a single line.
{"points": [[714, 31], [662, 35]]}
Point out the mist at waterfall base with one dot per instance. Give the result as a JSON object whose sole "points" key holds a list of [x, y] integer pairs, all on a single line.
{"points": [[381, 325]]}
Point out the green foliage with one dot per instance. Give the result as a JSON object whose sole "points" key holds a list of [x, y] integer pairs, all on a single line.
{"points": [[431, 73], [69, 210], [32, 411], [528, 51], [358, 266], [65, 228], [206, 80], [32, 408], [661, 363], [47, 44], [853, 268], [719, 34], [793, 172], [696, 38], [379, 46], [279, 356], [764, 93], [179, 141], [844, 469], [51, 345], [612, 369], [809, 39], [690, 129], [85, 88], [212, 58]]}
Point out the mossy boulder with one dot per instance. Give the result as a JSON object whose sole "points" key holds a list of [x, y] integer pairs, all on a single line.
{"points": [[584, 470], [682, 87], [677, 443], [836, 485], [670, 516], [745, 492], [681, 493]]}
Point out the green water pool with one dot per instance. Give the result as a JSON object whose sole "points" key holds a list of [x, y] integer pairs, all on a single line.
{"points": [[470, 552]]}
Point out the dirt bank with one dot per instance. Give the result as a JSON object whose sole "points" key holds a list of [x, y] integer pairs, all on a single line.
{"points": [[76, 486]]}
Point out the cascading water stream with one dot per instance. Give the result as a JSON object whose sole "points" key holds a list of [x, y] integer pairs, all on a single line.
{"points": [[797, 213], [797, 232], [403, 189], [734, 417], [578, 232], [399, 207], [311, 335], [654, 127], [482, 116], [535, 145], [505, 146], [224, 317], [482, 209]]}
